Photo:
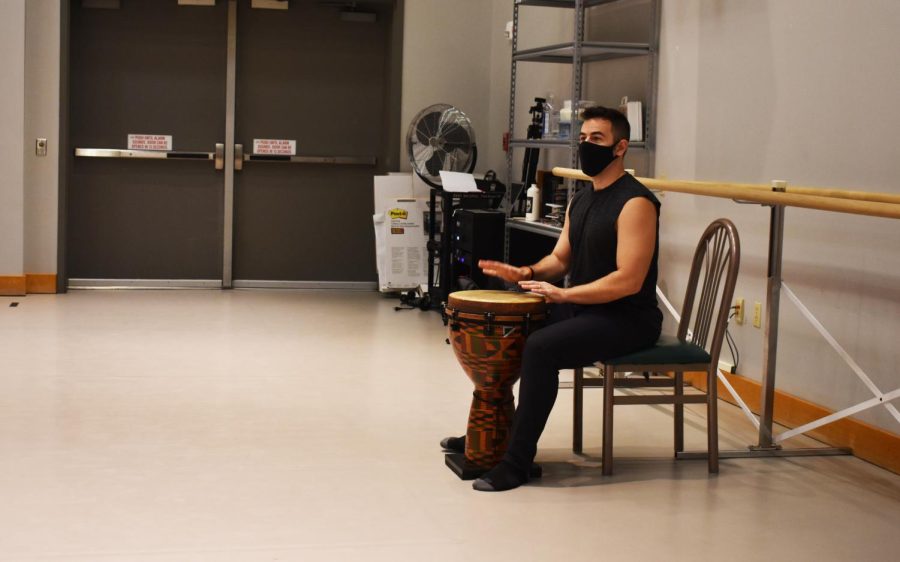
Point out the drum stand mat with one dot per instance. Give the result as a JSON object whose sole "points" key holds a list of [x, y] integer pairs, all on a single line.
{"points": [[468, 471]]}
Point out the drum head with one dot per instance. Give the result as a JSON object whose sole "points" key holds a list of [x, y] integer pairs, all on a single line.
{"points": [[497, 302]]}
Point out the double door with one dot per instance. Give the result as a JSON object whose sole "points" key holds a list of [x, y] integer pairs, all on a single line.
{"points": [[227, 145]]}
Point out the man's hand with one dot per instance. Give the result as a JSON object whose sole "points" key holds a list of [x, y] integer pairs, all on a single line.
{"points": [[549, 291], [504, 271]]}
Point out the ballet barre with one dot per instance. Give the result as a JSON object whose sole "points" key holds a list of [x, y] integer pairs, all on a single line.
{"points": [[884, 205]]}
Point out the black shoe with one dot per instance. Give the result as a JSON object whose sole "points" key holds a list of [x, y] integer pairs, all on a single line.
{"points": [[454, 444], [502, 477]]}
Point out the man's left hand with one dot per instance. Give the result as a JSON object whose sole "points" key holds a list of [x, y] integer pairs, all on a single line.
{"points": [[548, 290]]}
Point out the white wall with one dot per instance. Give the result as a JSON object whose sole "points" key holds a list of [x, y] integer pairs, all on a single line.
{"points": [[801, 90], [446, 59], [29, 108], [41, 120], [12, 99]]}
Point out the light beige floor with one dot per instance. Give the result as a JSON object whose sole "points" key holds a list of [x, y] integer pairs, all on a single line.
{"points": [[276, 425]]}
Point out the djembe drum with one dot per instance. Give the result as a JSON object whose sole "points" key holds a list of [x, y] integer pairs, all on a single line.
{"points": [[488, 331]]}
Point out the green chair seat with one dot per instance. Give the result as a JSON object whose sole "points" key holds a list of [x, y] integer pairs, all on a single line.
{"points": [[668, 350]]}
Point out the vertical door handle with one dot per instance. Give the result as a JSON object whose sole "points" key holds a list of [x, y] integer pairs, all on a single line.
{"points": [[238, 157], [220, 156]]}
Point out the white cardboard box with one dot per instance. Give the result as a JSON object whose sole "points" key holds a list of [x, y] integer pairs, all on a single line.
{"points": [[400, 238]]}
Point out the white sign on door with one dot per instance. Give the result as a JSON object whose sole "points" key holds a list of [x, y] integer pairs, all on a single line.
{"points": [[150, 142], [275, 146]]}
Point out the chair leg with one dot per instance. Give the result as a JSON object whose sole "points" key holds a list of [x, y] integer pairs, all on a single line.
{"points": [[679, 413], [712, 418], [609, 377], [578, 409]]}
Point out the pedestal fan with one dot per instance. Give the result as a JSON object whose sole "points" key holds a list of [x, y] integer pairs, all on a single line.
{"points": [[439, 138]]}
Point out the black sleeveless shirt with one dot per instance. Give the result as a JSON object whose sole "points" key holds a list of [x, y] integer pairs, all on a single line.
{"points": [[593, 237]]}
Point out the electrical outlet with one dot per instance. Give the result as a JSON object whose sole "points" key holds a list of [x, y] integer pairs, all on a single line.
{"points": [[757, 315], [739, 311]]}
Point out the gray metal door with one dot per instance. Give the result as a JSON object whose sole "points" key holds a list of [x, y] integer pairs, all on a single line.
{"points": [[156, 68], [214, 78], [314, 74]]}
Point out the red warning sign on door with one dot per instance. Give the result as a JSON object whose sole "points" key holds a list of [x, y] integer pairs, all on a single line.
{"points": [[281, 147], [150, 142]]}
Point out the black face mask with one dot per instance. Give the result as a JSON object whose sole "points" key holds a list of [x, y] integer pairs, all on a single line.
{"points": [[594, 157]]}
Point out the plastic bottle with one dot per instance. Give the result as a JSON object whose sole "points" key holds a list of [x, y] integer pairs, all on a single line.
{"points": [[551, 119], [565, 120], [533, 204]]}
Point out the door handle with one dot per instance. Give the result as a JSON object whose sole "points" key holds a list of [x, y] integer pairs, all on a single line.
{"points": [[218, 156], [238, 157], [347, 160]]}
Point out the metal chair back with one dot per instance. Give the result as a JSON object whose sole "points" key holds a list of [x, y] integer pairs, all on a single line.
{"points": [[707, 302]]}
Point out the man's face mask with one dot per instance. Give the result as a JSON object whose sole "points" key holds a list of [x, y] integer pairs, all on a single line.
{"points": [[594, 157]]}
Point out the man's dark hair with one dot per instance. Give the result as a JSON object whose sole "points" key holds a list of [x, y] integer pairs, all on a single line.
{"points": [[618, 122]]}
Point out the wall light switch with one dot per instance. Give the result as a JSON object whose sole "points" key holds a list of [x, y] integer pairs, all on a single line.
{"points": [[40, 147]]}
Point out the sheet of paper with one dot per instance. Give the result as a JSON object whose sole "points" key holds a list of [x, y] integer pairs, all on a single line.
{"points": [[458, 182]]}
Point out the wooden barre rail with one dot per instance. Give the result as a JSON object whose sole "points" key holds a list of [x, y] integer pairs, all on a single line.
{"points": [[827, 201], [822, 192]]}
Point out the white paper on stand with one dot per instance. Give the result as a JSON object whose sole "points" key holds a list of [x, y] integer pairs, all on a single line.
{"points": [[458, 182]]}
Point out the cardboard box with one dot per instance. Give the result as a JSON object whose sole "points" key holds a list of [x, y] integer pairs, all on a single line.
{"points": [[400, 237]]}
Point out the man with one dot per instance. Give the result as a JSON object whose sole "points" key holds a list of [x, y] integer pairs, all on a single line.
{"points": [[609, 248]]}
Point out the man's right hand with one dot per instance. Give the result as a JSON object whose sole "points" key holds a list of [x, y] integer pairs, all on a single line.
{"points": [[505, 271]]}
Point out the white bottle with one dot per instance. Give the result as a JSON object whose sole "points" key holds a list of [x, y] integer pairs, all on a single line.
{"points": [[533, 204], [565, 120], [551, 119]]}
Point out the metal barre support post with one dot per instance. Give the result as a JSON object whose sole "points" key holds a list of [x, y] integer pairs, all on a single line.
{"points": [[770, 344]]}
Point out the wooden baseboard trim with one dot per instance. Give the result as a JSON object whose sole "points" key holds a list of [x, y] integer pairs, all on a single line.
{"points": [[870, 443], [12, 285], [40, 283]]}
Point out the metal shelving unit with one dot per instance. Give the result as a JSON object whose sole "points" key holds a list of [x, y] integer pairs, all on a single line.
{"points": [[577, 53]]}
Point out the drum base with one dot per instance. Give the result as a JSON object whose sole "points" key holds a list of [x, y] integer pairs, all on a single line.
{"points": [[468, 471]]}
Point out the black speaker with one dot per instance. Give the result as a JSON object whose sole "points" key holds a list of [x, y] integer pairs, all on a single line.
{"points": [[478, 234]]}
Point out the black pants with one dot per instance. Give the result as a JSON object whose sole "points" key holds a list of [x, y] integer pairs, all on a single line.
{"points": [[574, 336]]}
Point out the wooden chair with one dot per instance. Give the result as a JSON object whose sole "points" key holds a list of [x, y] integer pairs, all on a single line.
{"points": [[696, 347]]}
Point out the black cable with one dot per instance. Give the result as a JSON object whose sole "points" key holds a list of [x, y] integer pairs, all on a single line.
{"points": [[733, 349], [732, 345]]}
